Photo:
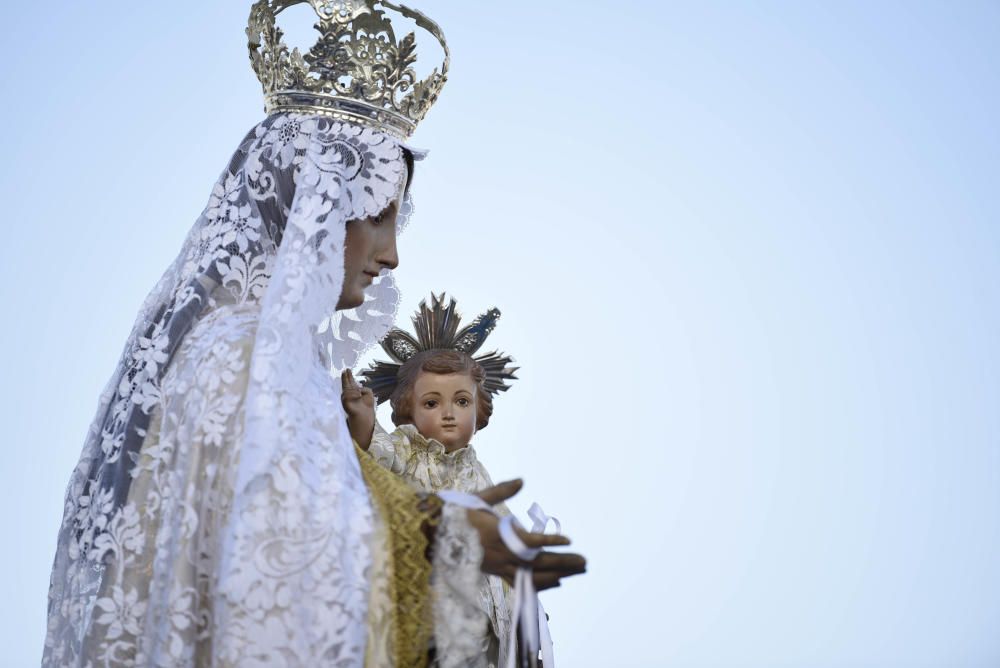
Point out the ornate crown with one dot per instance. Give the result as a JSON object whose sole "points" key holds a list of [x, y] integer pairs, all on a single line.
{"points": [[356, 72], [437, 329]]}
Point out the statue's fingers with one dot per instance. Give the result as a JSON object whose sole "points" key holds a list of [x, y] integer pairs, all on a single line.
{"points": [[544, 581], [347, 381], [543, 539], [349, 399], [566, 564], [502, 492]]}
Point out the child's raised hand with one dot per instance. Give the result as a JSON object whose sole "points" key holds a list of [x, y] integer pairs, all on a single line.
{"points": [[359, 404]]}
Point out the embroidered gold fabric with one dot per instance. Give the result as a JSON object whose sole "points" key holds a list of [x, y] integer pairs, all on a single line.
{"points": [[427, 466], [405, 514]]}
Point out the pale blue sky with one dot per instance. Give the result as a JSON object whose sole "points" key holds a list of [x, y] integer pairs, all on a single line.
{"points": [[747, 257]]}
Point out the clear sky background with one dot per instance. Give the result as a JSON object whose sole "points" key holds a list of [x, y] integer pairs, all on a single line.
{"points": [[747, 257]]}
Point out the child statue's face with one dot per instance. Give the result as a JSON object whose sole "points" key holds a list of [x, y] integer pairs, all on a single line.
{"points": [[444, 408]]}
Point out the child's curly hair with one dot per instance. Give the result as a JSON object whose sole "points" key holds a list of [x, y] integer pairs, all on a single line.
{"points": [[442, 362]]}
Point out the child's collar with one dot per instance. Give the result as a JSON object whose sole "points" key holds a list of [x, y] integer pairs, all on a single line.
{"points": [[435, 446]]}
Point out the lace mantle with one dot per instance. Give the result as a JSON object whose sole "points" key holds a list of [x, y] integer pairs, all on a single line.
{"points": [[218, 515]]}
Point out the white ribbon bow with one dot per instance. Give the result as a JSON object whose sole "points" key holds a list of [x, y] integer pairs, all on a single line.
{"points": [[528, 612]]}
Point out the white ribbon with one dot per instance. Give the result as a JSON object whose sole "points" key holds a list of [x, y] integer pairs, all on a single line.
{"points": [[528, 613], [539, 521]]}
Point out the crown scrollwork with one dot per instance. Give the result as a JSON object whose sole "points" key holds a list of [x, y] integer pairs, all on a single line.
{"points": [[357, 71]]}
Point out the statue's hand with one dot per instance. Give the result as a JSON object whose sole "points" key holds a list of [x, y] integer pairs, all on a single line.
{"points": [[359, 404], [548, 567]]}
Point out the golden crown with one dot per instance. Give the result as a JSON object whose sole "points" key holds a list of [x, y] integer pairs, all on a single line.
{"points": [[356, 72]]}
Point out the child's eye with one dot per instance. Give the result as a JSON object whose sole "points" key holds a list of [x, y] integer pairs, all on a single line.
{"points": [[463, 402], [430, 404]]}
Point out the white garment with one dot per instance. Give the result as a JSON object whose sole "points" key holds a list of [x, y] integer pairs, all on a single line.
{"points": [[218, 516], [428, 467]]}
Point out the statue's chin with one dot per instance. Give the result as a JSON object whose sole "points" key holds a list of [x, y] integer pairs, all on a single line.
{"points": [[348, 299]]}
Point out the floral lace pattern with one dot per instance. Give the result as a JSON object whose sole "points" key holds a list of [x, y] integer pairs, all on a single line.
{"points": [[460, 639], [428, 467], [426, 464], [218, 515]]}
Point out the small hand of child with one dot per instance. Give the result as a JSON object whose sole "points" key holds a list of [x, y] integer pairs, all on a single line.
{"points": [[359, 404]]}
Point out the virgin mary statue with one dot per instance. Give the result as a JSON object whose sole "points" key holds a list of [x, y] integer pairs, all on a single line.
{"points": [[220, 514]]}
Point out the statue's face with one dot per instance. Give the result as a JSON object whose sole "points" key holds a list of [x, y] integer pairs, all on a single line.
{"points": [[370, 247], [444, 408]]}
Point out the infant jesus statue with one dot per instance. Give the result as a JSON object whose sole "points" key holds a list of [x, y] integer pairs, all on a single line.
{"points": [[440, 396]]}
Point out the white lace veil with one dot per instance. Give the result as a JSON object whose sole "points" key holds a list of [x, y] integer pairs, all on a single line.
{"points": [[271, 239]]}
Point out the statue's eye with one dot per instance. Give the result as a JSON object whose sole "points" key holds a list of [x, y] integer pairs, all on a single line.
{"points": [[430, 404], [383, 215]]}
